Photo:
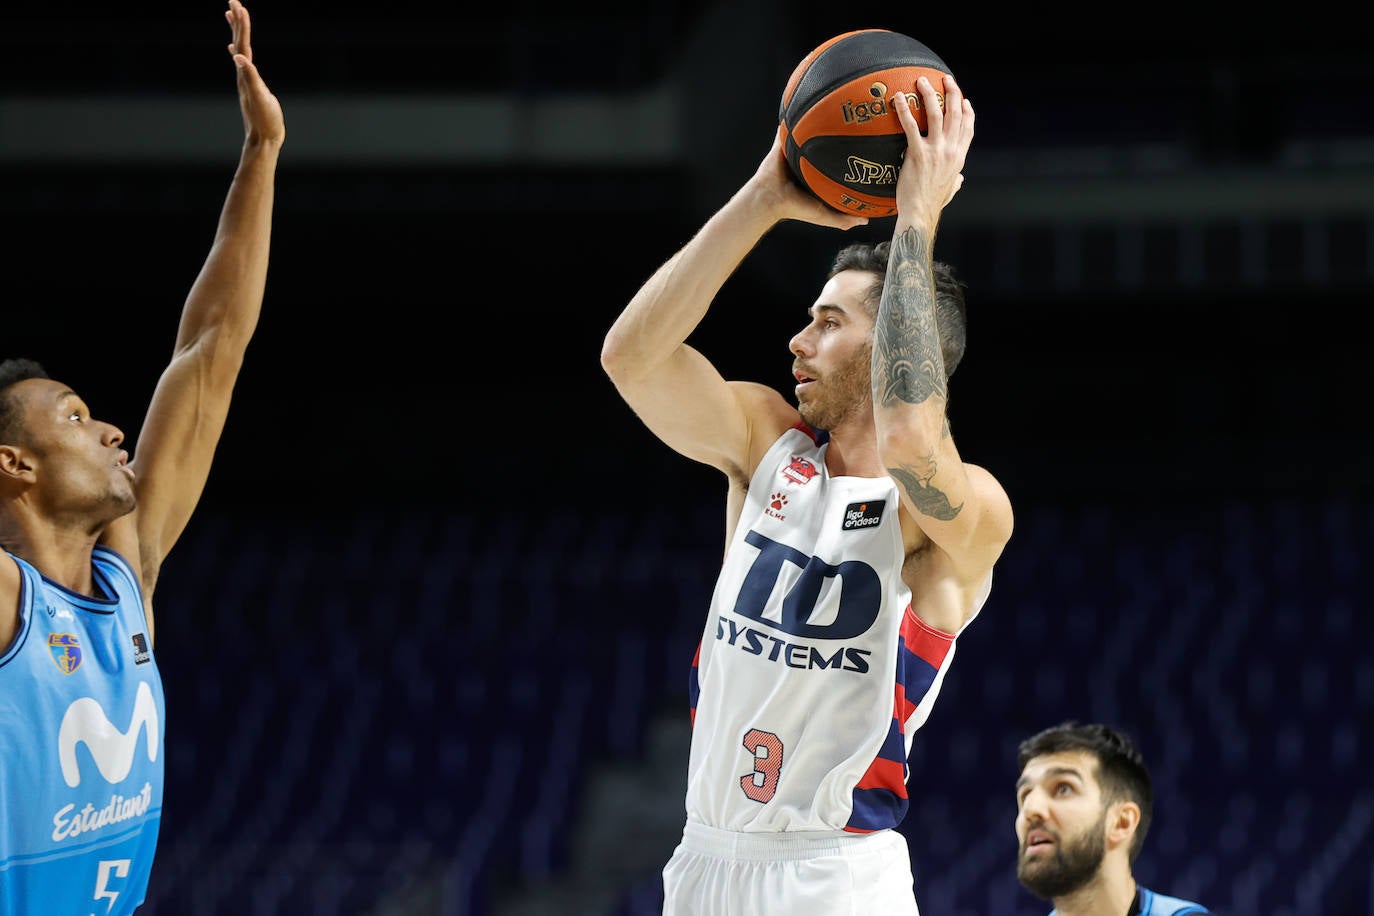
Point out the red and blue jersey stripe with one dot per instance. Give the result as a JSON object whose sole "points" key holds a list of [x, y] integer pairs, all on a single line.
{"points": [[880, 798]]}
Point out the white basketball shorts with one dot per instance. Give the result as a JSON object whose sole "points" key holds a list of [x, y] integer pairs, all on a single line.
{"points": [[723, 873]]}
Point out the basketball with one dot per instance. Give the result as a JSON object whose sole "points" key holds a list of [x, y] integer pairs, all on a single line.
{"points": [[843, 141]]}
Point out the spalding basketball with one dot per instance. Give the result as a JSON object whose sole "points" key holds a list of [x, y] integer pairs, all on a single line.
{"points": [[842, 138]]}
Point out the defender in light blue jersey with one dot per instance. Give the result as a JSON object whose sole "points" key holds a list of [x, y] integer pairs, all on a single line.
{"points": [[84, 532], [81, 745], [1084, 802]]}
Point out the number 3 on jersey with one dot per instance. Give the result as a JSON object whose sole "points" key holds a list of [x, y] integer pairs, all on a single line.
{"points": [[766, 747]]}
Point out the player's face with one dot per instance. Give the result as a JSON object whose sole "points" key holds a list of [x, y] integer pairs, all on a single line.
{"points": [[79, 471], [1061, 824], [832, 355]]}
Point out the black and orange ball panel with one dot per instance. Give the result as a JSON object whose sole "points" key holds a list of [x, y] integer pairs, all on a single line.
{"points": [[842, 139]]}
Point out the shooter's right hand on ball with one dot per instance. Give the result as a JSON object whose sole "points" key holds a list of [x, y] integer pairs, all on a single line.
{"points": [[783, 196]]}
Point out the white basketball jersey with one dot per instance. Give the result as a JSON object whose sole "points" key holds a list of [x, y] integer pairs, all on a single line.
{"points": [[813, 672]]}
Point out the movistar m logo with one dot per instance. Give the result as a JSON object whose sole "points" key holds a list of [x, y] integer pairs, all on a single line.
{"points": [[112, 749]]}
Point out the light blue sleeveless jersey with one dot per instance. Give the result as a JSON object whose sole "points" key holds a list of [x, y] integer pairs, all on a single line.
{"points": [[81, 748], [1152, 904]]}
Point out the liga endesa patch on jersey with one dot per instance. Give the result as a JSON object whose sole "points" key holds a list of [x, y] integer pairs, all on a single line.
{"points": [[863, 515]]}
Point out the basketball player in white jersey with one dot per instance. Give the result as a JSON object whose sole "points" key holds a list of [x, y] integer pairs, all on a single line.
{"points": [[84, 528], [860, 544]]}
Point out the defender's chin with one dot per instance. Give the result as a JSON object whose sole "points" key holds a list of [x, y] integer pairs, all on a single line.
{"points": [[122, 501]]}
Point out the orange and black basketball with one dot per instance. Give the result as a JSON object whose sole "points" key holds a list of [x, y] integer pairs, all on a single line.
{"points": [[842, 138]]}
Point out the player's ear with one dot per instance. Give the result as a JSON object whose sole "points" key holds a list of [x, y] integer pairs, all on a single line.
{"points": [[15, 464], [1122, 820]]}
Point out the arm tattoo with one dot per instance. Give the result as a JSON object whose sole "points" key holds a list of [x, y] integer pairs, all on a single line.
{"points": [[907, 364], [927, 499]]}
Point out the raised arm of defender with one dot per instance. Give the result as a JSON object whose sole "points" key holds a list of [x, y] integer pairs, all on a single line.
{"points": [[189, 406]]}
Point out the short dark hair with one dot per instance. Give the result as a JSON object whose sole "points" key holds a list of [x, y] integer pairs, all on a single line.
{"points": [[951, 312], [1121, 770], [12, 371]]}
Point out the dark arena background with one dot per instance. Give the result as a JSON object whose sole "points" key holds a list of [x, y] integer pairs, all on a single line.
{"points": [[426, 642]]}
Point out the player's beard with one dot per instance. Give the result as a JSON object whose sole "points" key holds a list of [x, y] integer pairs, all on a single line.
{"points": [[1074, 863], [844, 390]]}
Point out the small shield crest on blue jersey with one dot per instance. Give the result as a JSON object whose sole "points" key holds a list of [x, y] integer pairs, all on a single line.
{"points": [[66, 651]]}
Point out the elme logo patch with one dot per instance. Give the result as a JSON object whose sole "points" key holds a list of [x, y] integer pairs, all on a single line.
{"points": [[863, 515], [141, 656]]}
